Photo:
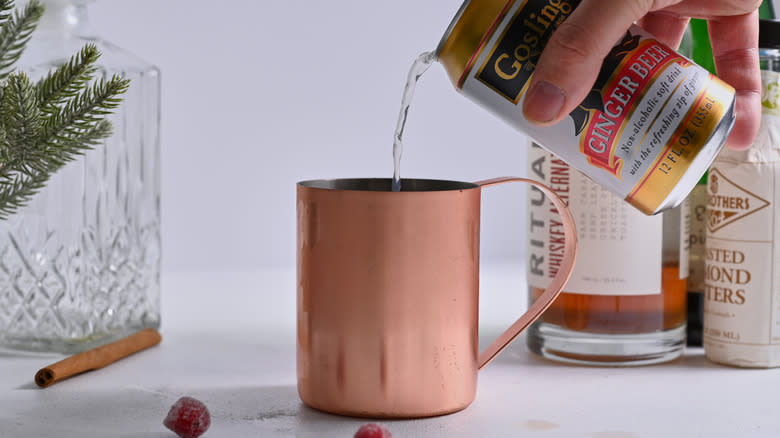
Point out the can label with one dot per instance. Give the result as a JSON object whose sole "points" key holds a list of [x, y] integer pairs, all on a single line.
{"points": [[512, 60], [649, 114]]}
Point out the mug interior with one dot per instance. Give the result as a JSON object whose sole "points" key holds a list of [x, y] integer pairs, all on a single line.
{"points": [[385, 184]]}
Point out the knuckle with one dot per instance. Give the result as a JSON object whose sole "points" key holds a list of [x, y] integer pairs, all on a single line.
{"points": [[572, 42], [746, 6], [740, 65], [735, 7], [639, 8], [743, 56]]}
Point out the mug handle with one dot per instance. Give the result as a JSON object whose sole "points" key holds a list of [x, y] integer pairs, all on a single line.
{"points": [[556, 285]]}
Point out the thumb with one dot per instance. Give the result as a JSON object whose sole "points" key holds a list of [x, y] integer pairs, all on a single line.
{"points": [[572, 58]]}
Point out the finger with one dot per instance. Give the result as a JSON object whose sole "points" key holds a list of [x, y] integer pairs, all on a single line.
{"points": [[571, 60], [666, 27], [712, 8], [735, 51]]}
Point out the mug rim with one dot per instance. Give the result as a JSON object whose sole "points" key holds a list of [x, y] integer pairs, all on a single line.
{"points": [[408, 185]]}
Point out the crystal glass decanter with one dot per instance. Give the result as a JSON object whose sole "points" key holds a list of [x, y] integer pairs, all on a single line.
{"points": [[80, 265]]}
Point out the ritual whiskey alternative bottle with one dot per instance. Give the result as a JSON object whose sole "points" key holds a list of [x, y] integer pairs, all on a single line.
{"points": [[625, 303]]}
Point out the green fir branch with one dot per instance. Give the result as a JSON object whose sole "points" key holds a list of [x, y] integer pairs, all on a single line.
{"points": [[68, 148], [18, 186], [82, 111], [21, 117], [16, 192], [21, 150], [95, 135], [6, 6], [45, 125], [15, 33], [68, 79]]}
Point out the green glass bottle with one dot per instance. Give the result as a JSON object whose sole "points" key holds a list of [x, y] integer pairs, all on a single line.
{"points": [[701, 53], [766, 10]]}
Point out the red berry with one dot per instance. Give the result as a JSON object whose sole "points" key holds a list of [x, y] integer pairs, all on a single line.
{"points": [[373, 430], [188, 418]]}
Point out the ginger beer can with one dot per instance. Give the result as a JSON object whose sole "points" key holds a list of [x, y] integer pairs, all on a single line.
{"points": [[647, 131]]}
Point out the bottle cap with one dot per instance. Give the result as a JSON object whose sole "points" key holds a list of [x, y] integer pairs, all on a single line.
{"points": [[769, 34]]}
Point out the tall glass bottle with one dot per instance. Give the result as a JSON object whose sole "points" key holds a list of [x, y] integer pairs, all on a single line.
{"points": [[625, 302], [766, 10], [741, 312], [701, 53], [80, 265]]}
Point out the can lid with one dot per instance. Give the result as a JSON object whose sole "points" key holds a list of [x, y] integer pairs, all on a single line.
{"points": [[769, 34]]}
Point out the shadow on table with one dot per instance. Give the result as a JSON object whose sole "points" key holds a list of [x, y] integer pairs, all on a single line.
{"points": [[313, 423]]}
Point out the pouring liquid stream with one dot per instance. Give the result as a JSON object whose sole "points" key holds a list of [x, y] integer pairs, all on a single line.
{"points": [[420, 66]]}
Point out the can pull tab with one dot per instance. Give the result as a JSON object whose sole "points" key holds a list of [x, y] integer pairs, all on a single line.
{"points": [[556, 285]]}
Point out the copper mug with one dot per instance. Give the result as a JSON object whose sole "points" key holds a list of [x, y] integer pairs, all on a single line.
{"points": [[387, 300]]}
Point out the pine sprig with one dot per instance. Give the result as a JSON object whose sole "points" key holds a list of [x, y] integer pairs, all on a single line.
{"points": [[68, 148], [17, 191], [68, 79], [21, 118], [88, 138], [85, 109], [6, 6], [15, 33], [45, 125]]}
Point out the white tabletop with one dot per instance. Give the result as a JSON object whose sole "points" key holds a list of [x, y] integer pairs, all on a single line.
{"points": [[229, 340]]}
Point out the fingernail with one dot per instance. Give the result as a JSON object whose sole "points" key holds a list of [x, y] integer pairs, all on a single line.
{"points": [[543, 102]]}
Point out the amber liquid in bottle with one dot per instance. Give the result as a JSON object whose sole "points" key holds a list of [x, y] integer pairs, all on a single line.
{"points": [[622, 315], [618, 315]]}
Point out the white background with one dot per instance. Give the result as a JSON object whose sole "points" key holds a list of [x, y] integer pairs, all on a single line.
{"points": [[260, 94]]}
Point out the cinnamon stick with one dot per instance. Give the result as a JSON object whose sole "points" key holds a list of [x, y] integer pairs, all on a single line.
{"points": [[97, 357]]}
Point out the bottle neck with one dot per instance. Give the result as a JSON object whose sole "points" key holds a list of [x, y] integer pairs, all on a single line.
{"points": [[67, 17]]}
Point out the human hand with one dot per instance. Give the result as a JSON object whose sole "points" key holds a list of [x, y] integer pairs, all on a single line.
{"points": [[572, 58]]}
